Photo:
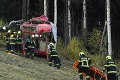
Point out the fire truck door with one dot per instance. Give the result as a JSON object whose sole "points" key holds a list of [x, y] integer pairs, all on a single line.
{"points": [[43, 44]]}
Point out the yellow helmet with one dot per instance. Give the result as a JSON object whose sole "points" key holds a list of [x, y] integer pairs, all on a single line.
{"points": [[33, 36], [14, 32], [51, 44], [19, 32], [81, 53], [108, 57], [9, 31]]}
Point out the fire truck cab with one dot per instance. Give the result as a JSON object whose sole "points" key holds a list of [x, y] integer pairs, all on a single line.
{"points": [[44, 32]]}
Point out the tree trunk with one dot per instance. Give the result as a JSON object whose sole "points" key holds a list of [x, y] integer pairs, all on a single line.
{"points": [[109, 28], [66, 21], [69, 20], [45, 7], [55, 16], [67, 29], [28, 9], [84, 30], [55, 12], [24, 10]]}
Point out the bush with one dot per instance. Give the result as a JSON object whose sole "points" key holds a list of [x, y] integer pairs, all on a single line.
{"points": [[94, 41], [2, 22], [2, 35], [2, 41], [118, 67], [60, 48], [98, 60], [74, 47]]}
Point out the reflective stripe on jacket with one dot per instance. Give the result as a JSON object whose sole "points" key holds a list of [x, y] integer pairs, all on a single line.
{"points": [[12, 40], [53, 52], [31, 44], [110, 67], [19, 39], [7, 40], [84, 61]]}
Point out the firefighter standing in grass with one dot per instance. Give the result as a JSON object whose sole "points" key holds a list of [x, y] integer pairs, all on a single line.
{"points": [[31, 47], [7, 39], [12, 42], [15, 36], [83, 66], [111, 68], [19, 42], [53, 55], [27, 41]]}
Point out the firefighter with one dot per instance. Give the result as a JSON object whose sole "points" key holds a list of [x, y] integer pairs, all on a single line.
{"points": [[12, 42], [31, 47], [111, 68], [83, 66], [15, 36], [7, 39], [19, 42], [53, 55], [27, 41]]}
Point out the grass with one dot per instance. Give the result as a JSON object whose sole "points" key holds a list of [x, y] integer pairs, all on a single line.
{"points": [[20, 68]]}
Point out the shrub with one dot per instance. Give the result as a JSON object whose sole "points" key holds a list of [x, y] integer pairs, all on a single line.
{"points": [[60, 48], [2, 22], [72, 50], [74, 47], [118, 67], [2, 35], [2, 41], [98, 60], [94, 41]]}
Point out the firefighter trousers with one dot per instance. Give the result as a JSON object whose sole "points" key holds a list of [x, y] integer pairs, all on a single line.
{"points": [[12, 47], [85, 70], [7, 47], [55, 59], [112, 76], [30, 52], [19, 48]]}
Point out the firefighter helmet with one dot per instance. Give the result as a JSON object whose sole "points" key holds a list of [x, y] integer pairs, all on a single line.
{"points": [[81, 53], [14, 32], [9, 31], [19, 32], [51, 44], [108, 57], [33, 36]]}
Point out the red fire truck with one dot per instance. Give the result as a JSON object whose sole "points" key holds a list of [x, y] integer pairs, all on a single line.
{"points": [[44, 32]]}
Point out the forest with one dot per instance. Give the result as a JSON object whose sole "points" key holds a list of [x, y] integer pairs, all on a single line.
{"points": [[95, 16]]}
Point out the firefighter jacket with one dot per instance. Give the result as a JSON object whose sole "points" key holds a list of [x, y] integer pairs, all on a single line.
{"points": [[19, 39], [31, 44], [12, 39], [27, 40], [84, 61], [52, 51], [110, 66], [7, 38]]}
